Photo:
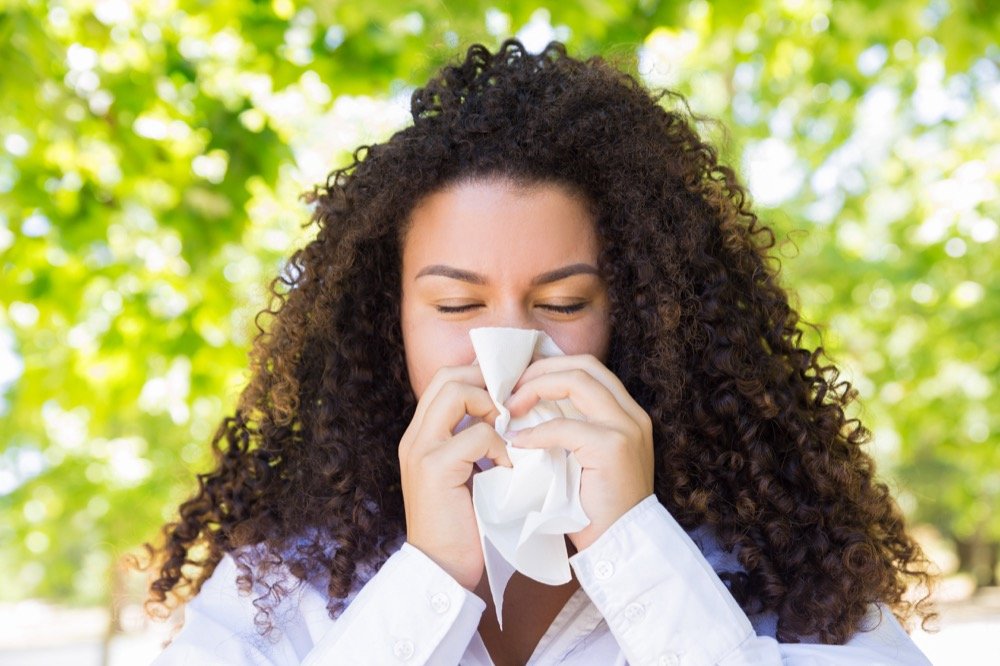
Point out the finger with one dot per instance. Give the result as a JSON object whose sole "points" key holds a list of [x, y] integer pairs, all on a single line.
{"points": [[466, 374], [451, 404], [578, 386], [590, 443], [478, 442], [592, 365], [453, 460], [588, 362]]}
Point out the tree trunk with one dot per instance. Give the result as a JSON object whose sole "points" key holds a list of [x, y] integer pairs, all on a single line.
{"points": [[979, 557], [116, 597]]}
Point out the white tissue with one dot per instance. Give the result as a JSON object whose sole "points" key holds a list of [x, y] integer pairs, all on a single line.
{"points": [[524, 512]]}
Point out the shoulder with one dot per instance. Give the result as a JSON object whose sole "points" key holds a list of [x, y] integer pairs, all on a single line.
{"points": [[260, 577], [226, 623], [879, 629], [727, 562], [246, 596]]}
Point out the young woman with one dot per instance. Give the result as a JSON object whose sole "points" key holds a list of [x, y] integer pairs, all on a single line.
{"points": [[734, 515]]}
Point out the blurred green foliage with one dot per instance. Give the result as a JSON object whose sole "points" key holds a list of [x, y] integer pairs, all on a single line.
{"points": [[152, 154]]}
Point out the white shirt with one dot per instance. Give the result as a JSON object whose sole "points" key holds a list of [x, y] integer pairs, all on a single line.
{"points": [[648, 597]]}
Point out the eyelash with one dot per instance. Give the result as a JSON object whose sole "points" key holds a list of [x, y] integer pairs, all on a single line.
{"points": [[563, 309]]}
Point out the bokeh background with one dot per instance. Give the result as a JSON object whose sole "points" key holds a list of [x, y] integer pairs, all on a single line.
{"points": [[151, 157]]}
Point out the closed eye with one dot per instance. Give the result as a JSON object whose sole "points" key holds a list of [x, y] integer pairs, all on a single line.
{"points": [[456, 308], [564, 309]]}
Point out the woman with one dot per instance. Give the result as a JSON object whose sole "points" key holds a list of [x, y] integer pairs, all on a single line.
{"points": [[734, 516]]}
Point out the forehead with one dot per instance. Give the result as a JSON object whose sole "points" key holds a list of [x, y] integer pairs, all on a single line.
{"points": [[498, 224]]}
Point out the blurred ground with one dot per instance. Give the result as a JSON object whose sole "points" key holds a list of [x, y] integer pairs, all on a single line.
{"points": [[36, 634], [968, 627]]}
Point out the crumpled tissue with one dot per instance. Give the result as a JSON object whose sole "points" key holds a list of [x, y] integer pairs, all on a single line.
{"points": [[524, 512]]}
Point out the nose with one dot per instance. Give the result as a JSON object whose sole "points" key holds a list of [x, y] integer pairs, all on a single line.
{"points": [[514, 315]]}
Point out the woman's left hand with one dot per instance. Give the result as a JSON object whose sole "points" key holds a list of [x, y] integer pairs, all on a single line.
{"points": [[614, 446]]}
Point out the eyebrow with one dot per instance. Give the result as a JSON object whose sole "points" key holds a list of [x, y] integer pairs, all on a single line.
{"points": [[476, 278]]}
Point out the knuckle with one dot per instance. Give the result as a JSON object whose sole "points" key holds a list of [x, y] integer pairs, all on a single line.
{"points": [[410, 455], [405, 446], [482, 429], [618, 439], [445, 371], [451, 390], [440, 377], [426, 464], [451, 373], [647, 425]]}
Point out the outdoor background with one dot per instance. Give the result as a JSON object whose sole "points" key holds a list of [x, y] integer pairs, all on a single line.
{"points": [[151, 158]]}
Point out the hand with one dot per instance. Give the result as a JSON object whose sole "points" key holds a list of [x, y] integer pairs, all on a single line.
{"points": [[614, 446], [435, 466]]}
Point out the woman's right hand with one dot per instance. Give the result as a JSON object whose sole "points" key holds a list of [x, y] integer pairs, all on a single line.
{"points": [[436, 465]]}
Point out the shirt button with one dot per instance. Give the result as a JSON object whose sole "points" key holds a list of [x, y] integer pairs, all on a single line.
{"points": [[440, 603], [603, 570], [403, 649], [668, 660], [635, 612]]}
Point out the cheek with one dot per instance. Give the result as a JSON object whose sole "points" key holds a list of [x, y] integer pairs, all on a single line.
{"points": [[431, 344], [589, 336]]}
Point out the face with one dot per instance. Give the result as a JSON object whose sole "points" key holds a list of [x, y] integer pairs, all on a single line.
{"points": [[496, 253]]}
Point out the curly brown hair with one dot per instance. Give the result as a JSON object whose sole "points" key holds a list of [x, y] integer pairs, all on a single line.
{"points": [[751, 437]]}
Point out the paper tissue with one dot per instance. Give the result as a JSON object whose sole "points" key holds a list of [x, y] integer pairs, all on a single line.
{"points": [[524, 512]]}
